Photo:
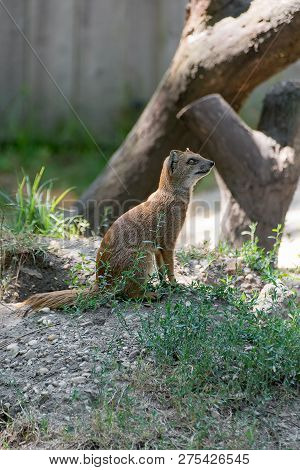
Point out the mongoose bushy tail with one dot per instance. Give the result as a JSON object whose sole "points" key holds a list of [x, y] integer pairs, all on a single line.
{"points": [[57, 299], [145, 233]]}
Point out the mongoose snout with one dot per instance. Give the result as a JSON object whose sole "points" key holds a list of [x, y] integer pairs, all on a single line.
{"points": [[205, 168]]}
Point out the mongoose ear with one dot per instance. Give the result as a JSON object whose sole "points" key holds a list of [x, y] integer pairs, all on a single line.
{"points": [[173, 160]]}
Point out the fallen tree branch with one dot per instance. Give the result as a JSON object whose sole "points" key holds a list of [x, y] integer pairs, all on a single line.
{"points": [[257, 171]]}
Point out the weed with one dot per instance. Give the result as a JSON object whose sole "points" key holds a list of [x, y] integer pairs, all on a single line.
{"points": [[217, 345], [257, 258], [14, 249], [36, 210], [185, 256]]}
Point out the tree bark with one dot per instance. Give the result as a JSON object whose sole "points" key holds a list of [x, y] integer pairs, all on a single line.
{"points": [[258, 171], [217, 53]]}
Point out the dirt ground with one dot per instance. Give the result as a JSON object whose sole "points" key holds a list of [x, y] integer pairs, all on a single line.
{"points": [[54, 364]]}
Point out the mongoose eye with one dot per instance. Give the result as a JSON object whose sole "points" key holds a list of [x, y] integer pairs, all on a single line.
{"points": [[192, 161]]}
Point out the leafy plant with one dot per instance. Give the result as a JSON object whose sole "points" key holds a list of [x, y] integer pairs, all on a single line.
{"points": [[36, 210], [256, 257], [218, 345]]}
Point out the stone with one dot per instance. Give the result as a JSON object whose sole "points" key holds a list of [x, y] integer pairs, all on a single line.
{"points": [[51, 337], [45, 310], [134, 354], [79, 380], [231, 266], [13, 349], [246, 286], [273, 299], [43, 371], [30, 354], [33, 343], [31, 272]]}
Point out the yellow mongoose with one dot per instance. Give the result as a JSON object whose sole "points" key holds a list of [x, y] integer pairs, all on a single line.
{"points": [[147, 231]]}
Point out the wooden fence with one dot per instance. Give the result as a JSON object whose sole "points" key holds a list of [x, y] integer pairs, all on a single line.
{"points": [[93, 58], [97, 56]]}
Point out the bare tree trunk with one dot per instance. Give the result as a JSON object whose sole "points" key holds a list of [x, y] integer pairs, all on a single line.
{"points": [[257, 171], [229, 55]]}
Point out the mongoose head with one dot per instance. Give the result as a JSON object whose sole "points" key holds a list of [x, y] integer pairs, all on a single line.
{"points": [[186, 168]]}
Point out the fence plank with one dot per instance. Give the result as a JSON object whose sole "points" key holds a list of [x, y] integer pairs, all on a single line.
{"points": [[11, 65], [103, 54], [100, 61], [50, 32]]}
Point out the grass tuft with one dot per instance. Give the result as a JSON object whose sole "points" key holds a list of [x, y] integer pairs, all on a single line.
{"points": [[217, 345], [36, 210]]}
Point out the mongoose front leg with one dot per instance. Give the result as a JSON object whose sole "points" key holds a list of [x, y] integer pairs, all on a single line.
{"points": [[160, 264], [138, 293], [168, 257]]}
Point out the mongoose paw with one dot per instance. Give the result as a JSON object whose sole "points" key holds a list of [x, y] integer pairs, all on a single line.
{"points": [[151, 296]]}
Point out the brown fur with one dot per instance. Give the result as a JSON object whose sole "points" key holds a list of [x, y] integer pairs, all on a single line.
{"points": [[147, 231]]}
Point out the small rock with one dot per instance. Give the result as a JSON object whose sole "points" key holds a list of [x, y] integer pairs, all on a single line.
{"points": [[274, 299], [45, 321], [33, 343], [30, 354], [45, 310], [13, 349], [215, 413], [231, 266], [246, 286], [79, 380], [51, 337], [43, 371], [31, 272], [134, 354]]}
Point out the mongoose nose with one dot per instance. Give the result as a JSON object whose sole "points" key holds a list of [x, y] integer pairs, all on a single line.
{"points": [[211, 163]]}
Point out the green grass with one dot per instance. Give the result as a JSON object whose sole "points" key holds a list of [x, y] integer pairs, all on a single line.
{"points": [[217, 345], [214, 364], [71, 157], [70, 163], [210, 374], [34, 209]]}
